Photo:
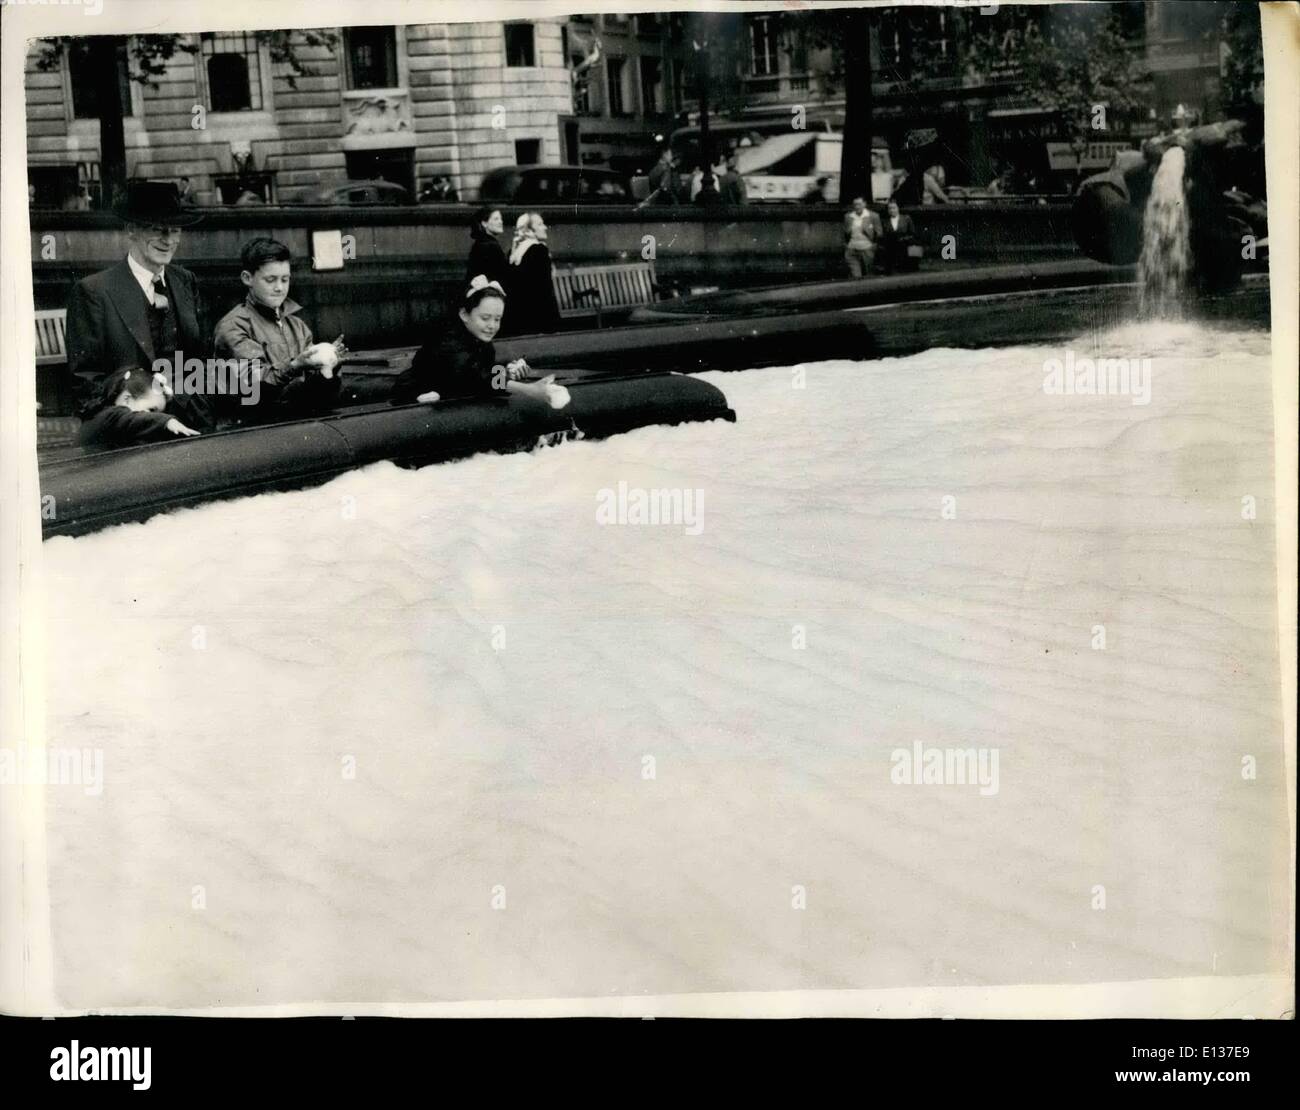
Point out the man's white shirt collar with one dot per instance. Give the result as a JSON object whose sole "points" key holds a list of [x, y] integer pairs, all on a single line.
{"points": [[144, 277]]}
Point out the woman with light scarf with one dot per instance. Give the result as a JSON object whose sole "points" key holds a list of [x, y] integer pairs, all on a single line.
{"points": [[531, 306]]}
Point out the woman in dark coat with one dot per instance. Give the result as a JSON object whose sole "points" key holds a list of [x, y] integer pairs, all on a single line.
{"points": [[485, 254], [459, 359], [532, 305]]}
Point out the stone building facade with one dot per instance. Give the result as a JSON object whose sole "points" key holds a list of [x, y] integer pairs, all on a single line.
{"points": [[401, 103], [631, 93]]}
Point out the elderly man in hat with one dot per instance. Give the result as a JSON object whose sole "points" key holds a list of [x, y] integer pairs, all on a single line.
{"points": [[143, 308]]}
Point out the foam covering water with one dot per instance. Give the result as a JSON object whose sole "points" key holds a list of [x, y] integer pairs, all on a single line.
{"points": [[500, 666]]}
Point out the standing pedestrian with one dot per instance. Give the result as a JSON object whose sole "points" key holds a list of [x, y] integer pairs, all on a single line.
{"points": [[531, 307], [862, 232], [663, 179], [485, 254], [733, 185], [899, 237]]}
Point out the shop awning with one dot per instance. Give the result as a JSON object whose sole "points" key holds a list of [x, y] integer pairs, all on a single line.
{"points": [[755, 159]]}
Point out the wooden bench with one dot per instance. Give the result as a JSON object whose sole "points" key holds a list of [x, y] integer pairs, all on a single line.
{"points": [[588, 290], [53, 382], [51, 336]]}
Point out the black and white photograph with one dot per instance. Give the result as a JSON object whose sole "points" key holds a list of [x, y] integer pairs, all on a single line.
{"points": [[728, 510]]}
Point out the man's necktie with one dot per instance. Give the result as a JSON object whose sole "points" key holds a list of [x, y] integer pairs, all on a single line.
{"points": [[159, 294]]}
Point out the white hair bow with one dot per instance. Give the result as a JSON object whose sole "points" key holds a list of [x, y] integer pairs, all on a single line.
{"points": [[480, 281]]}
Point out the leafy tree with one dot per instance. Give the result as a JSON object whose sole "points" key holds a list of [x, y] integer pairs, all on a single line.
{"points": [[1069, 60], [1243, 63], [146, 58], [846, 33]]}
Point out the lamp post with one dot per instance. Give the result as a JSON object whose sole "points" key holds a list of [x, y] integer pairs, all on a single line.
{"points": [[700, 41]]}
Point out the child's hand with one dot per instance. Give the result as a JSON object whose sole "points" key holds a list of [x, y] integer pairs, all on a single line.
{"points": [[517, 369], [178, 429], [429, 398], [556, 395], [545, 391], [322, 357]]}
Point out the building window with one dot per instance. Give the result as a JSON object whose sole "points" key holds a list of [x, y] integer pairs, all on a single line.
{"points": [[230, 60], [371, 54], [652, 86], [82, 81], [528, 152], [648, 24], [615, 75], [89, 184], [582, 97], [762, 47], [519, 44]]}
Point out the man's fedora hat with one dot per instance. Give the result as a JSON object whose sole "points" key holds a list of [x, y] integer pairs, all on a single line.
{"points": [[157, 203]]}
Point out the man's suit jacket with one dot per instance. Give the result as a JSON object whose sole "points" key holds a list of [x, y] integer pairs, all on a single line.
{"points": [[906, 228], [108, 322], [870, 225]]}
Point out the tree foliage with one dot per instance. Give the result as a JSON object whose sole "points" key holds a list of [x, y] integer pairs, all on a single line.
{"points": [[149, 55], [1243, 59], [1071, 62]]}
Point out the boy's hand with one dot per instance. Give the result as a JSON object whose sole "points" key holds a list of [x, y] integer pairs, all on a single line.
{"points": [[322, 357], [517, 369], [178, 429], [429, 398]]}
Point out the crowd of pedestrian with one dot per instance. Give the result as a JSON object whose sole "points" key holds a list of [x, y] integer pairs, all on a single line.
{"points": [[876, 245], [703, 185]]}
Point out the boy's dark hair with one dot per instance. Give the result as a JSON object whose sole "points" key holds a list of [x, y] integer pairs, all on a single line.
{"points": [[137, 382], [258, 252], [485, 213]]}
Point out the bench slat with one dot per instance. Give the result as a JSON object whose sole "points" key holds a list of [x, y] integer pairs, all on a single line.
{"points": [[620, 285], [51, 336]]}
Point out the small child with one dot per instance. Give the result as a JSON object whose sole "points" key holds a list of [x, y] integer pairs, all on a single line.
{"points": [[296, 375], [459, 360], [131, 412]]}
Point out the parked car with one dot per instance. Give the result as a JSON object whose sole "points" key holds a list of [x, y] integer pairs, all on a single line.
{"points": [[356, 192], [555, 185]]}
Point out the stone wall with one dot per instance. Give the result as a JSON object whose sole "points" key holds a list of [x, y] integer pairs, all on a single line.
{"points": [[410, 262]]}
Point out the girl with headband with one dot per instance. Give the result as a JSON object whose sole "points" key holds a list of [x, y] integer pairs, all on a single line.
{"points": [[460, 361]]}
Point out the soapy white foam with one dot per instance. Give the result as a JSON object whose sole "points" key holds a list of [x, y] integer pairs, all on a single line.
{"points": [[502, 668]]}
